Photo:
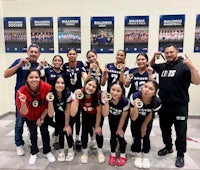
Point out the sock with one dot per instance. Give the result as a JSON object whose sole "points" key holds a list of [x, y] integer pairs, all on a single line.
{"points": [[123, 155], [70, 149], [77, 137], [99, 150], [85, 151], [62, 150], [113, 154]]}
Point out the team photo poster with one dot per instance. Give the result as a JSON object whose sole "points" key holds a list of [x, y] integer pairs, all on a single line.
{"points": [[136, 34], [69, 34], [171, 31], [42, 33], [15, 34]]}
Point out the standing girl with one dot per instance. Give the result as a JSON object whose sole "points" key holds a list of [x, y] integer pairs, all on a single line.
{"points": [[61, 106], [89, 100], [32, 104], [51, 71], [143, 105], [117, 110]]}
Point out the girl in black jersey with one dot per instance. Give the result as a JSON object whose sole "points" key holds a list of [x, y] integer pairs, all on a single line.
{"points": [[88, 99], [143, 105], [117, 110], [61, 106]]}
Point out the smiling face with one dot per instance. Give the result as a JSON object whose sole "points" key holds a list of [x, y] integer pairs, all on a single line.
{"points": [[57, 62], [33, 80], [33, 54], [171, 54], [92, 57], [72, 55], [60, 84], [91, 87], [141, 61], [120, 56], [116, 91]]}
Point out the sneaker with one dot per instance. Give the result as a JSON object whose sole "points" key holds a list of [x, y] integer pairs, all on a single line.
{"points": [[146, 163], [20, 150], [179, 162], [50, 157], [101, 157], [138, 162], [70, 156], [32, 159], [78, 145], [61, 157], [164, 151], [112, 160], [84, 158], [121, 161]]}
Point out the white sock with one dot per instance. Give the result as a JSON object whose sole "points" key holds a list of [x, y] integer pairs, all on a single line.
{"points": [[85, 151], [113, 154], [62, 150], [77, 137], [70, 149], [99, 150], [123, 155]]}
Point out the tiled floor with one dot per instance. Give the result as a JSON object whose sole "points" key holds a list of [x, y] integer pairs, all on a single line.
{"points": [[10, 161]]}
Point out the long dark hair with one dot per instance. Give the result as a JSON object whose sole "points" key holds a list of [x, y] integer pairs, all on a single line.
{"points": [[54, 90], [96, 95], [120, 84]]}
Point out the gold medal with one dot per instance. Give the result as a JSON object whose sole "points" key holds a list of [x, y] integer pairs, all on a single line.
{"points": [[72, 81], [50, 97], [34, 103], [138, 103]]}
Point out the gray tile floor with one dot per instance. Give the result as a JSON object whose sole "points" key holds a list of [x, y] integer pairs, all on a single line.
{"points": [[10, 161]]}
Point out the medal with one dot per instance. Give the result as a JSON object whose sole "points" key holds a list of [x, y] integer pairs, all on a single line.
{"points": [[138, 103], [72, 81], [34, 103]]}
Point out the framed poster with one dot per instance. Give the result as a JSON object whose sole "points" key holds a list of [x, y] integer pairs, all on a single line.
{"points": [[102, 34], [15, 34]]}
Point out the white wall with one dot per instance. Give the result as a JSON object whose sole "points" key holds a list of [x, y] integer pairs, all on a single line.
{"points": [[87, 8]]}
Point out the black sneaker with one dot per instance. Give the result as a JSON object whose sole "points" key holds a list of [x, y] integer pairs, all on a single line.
{"points": [[179, 162], [164, 151]]}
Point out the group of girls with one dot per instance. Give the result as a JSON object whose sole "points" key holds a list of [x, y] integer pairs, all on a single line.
{"points": [[70, 99]]}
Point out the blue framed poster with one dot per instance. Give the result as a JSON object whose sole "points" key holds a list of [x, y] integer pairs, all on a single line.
{"points": [[136, 34], [42, 33], [69, 34], [15, 34], [102, 34]]}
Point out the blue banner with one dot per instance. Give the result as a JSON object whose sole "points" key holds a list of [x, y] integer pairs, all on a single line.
{"points": [[42, 33], [171, 31], [69, 34], [136, 34], [197, 35], [15, 34], [102, 34]]}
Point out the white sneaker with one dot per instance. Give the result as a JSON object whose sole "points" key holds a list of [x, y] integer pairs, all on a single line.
{"points": [[61, 157], [101, 157], [146, 163], [138, 162], [84, 158], [32, 159], [70, 156], [20, 150], [50, 157]]}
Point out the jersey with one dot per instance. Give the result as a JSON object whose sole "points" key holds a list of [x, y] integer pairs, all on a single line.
{"points": [[73, 75], [174, 82], [154, 106], [138, 80], [21, 72], [122, 106], [50, 74], [60, 105], [97, 75], [114, 74]]}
